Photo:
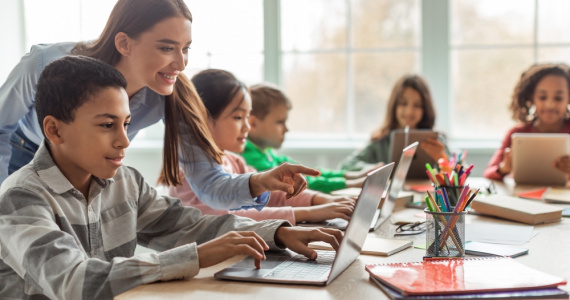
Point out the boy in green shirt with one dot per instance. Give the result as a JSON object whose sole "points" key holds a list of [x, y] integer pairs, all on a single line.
{"points": [[270, 109]]}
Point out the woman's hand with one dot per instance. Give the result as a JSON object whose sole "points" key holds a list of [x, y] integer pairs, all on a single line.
{"points": [[434, 148], [231, 244], [298, 238], [285, 177]]}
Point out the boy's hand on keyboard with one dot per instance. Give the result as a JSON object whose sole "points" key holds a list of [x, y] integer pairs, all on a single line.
{"points": [[298, 238], [231, 244]]}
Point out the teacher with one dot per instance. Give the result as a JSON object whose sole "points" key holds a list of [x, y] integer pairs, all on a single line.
{"points": [[148, 42]]}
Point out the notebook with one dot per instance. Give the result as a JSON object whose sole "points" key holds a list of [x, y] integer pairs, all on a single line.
{"points": [[400, 139], [531, 168], [328, 265], [487, 249], [388, 202], [373, 246], [517, 209], [549, 293], [460, 276], [554, 195]]}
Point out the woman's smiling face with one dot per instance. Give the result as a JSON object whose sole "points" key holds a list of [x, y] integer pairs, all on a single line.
{"points": [[158, 55]]}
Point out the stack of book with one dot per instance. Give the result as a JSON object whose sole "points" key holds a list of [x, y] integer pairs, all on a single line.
{"points": [[465, 278]]}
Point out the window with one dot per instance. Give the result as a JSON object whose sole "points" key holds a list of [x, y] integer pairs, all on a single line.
{"points": [[492, 42], [338, 59], [230, 38]]}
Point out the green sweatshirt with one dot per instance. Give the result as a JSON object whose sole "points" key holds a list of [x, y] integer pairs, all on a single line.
{"points": [[262, 160]]}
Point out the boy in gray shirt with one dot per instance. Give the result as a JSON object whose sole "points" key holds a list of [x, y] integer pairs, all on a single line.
{"points": [[70, 220]]}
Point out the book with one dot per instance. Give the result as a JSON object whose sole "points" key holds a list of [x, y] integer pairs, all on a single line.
{"points": [[535, 194], [554, 195], [557, 195], [478, 248], [549, 293], [462, 275], [517, 209], [372, 246]]}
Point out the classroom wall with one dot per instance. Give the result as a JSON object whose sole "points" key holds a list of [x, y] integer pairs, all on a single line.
{"points": [[13, 36]]}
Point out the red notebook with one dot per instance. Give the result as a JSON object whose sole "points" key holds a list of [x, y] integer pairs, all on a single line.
{"points": [[536, 194], [457, 276]]}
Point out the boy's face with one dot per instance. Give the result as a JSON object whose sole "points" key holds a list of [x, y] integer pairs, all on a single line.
{"points": [[551, 99], [95, 142], [232, 126], [270, 132]]}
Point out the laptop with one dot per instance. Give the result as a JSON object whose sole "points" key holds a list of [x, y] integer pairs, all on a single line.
{"points": [[386, 207], [533, 155], [396, 185], [400, 139], [288, 267]]}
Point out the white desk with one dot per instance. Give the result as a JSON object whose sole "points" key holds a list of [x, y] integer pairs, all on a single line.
{"points": [[549, 252]]}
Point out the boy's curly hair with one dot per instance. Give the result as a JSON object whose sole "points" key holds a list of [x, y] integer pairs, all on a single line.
{"points": [[521, 102]]}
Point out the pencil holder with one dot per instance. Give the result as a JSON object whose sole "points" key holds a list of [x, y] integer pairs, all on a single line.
{"points": [[445, 234], [453, 193]]}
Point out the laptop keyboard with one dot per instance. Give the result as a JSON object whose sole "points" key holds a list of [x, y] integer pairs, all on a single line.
{"points": [[300, 267]]}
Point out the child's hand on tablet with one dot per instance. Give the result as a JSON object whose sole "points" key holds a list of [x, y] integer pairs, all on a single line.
{"points": [[563, 164], [434, 148], [506, 166]]}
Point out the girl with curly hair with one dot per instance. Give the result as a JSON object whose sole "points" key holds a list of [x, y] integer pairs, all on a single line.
{"points": [[540, 103]]}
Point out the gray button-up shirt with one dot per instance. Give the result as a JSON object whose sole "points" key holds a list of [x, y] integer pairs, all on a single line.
{"points": [[56, 244]]}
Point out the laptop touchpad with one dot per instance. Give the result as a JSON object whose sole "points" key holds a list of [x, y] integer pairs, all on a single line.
{"points": [[274, 258]]}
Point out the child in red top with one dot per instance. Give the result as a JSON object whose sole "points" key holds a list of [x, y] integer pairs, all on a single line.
{"points": [[540, 103]]}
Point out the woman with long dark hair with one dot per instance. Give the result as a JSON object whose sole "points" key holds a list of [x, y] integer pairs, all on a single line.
{"points": [[148, 42]]}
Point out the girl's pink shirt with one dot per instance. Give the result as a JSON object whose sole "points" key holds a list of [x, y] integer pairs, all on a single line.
{"points": [[491, 170], [278, 206]]}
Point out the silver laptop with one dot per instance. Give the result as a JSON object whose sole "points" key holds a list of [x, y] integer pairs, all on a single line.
{"points": [[396, 185], [533, 157], [288, 267], [387, 206]]}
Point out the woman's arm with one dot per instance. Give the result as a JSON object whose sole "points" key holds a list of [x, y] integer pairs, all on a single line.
{"points": [[17, 98]]}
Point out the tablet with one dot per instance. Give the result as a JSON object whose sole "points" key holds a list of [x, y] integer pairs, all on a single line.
{"points": [[533, 156], [399, 140]]}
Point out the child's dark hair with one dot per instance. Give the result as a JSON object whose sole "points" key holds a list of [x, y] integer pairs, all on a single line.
{"points": [[417, 83], [264, 97], [67, 83], [521, 101], [217, 88]]}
